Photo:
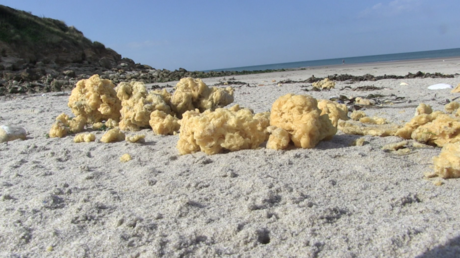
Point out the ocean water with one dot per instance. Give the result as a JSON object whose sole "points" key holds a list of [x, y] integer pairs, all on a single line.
{"points": [[443, 53]]}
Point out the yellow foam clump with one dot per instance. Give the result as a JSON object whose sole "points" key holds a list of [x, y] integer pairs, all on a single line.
{"points": [[456, 89], [163, 123], [447, 164], [395, 146], [135, 138], [113, 135], [95, 100], [419, 120], [300, 116], [194, 93], [358, 142], [373, 120], [442, 130], [364, 102], [222, 129], [451, 107], [358, 128], [423, 109], [110, 123], [89, 137], [164, 94], [334, 110], [356, 115], [125, 157], [98, 125], [137, 105], [279, 138], [324, 84], [65, 125]]}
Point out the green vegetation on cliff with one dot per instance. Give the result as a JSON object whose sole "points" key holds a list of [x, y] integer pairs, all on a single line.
{"points": [[33, 39], [29, 30]]}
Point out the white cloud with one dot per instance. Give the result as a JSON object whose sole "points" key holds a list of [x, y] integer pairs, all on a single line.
{"points": [[391, 8], [398, 6], [147, 44], [377, 6]]}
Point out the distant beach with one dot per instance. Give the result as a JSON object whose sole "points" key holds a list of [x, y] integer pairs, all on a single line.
{"points": [[420, 55]]}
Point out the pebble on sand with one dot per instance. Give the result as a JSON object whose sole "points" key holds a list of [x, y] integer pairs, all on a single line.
{"points": [[11, 133]]}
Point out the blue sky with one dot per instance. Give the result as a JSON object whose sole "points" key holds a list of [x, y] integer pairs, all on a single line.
{"points": [[202, 35]]}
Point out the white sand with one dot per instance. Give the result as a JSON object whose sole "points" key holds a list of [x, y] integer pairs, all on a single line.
{"points": [[61, 199]]}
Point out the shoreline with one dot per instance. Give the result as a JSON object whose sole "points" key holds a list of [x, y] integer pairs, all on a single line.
{"points": [[426, 61], [418, 55], [398, 68]]}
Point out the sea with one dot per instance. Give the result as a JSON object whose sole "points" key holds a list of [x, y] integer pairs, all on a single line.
{"points": [[443, 53]]}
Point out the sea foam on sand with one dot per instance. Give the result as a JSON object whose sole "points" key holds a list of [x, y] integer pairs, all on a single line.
{"points": [[64, 199]]}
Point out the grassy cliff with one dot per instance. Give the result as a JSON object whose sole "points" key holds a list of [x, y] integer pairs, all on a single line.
{"points": [[24, 28], [33, 38]]}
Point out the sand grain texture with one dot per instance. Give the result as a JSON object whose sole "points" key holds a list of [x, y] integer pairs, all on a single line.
{"points": [[63, 199]]}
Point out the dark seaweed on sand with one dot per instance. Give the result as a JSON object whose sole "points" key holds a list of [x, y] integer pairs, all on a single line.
{"points": [[369, 77]]}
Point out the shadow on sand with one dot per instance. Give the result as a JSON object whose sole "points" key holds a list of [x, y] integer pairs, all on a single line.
{"points": [[449, 250]]}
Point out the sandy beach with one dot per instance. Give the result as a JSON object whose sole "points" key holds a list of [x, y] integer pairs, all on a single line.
{"points": [[63, 199]]}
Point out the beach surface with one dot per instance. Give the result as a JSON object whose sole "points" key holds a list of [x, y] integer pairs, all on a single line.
{"points": [[63, 199]]}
